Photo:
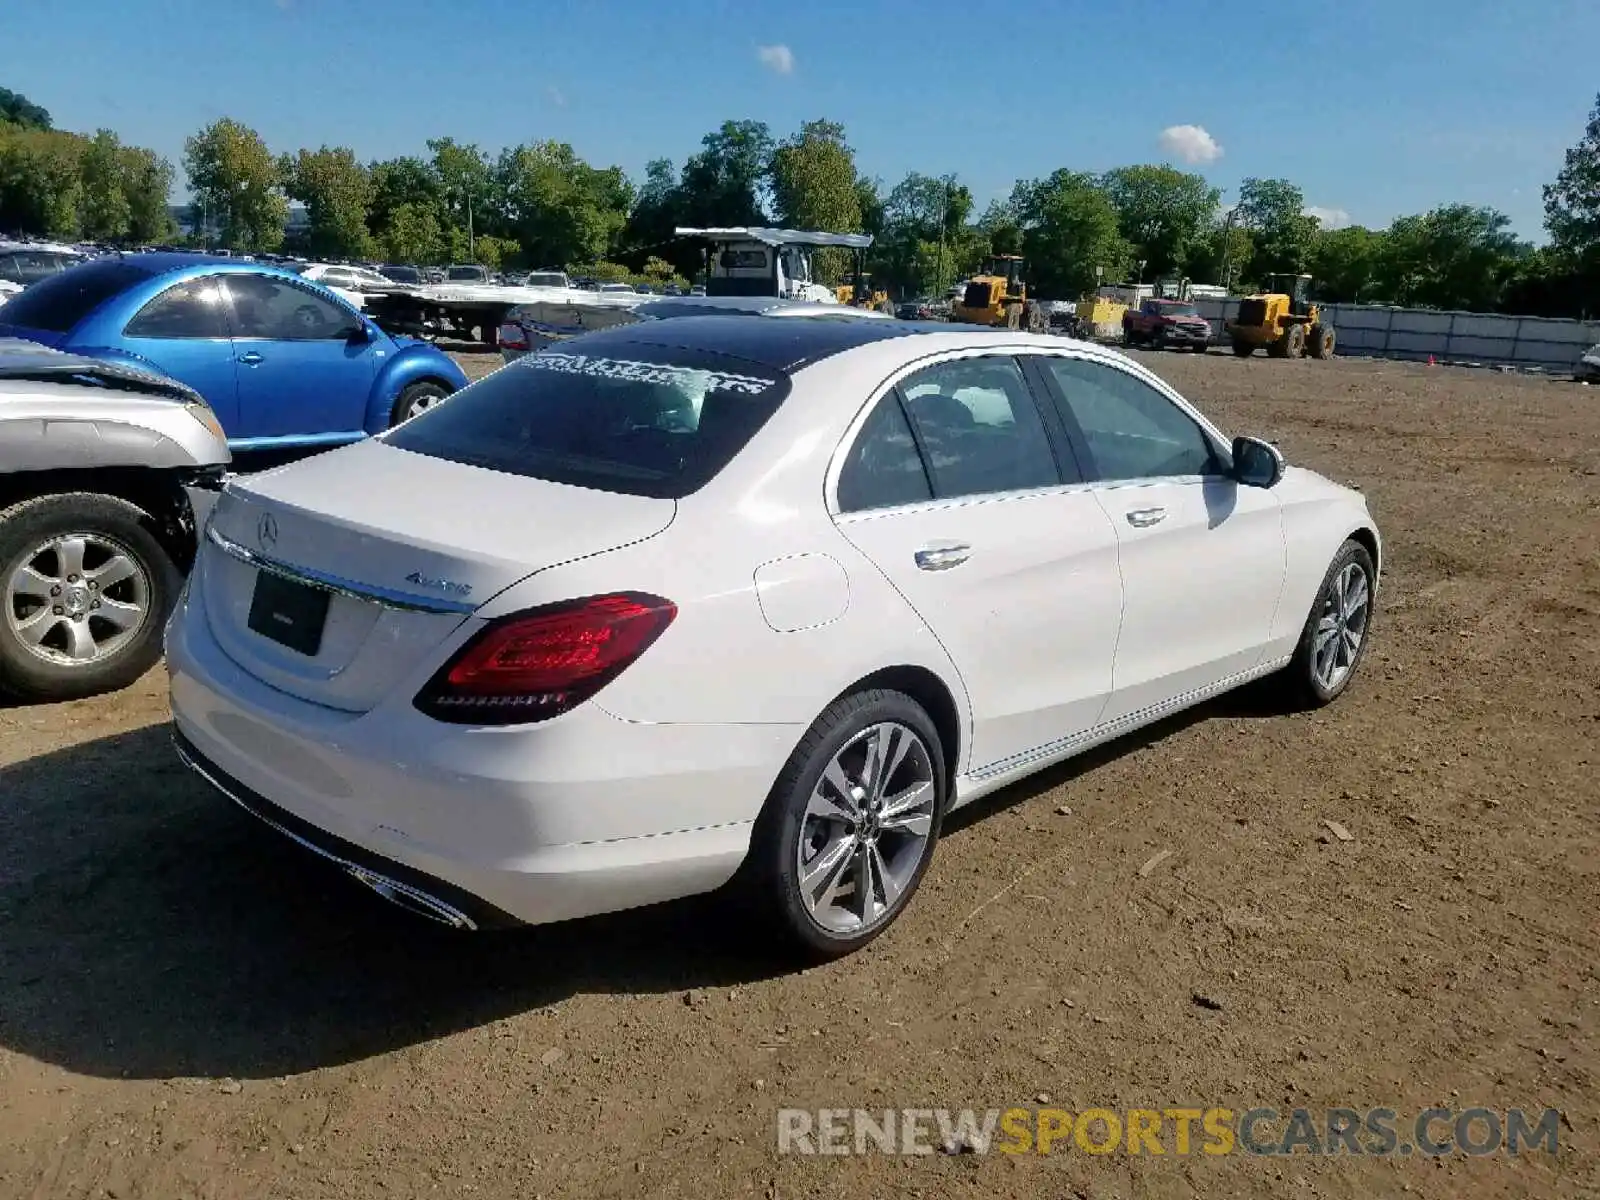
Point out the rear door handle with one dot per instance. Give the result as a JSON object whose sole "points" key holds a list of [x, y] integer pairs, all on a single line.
{"points": [[942, 558], [250, 358], [1143, 518]]}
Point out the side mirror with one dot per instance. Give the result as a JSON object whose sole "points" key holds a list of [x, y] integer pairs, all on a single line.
{"points": [[358, 333], [1256, 463]]}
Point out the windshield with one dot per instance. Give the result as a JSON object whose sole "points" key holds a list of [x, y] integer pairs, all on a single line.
{"points": [[555, 281], [467, 273], [57, 303], [1169, 308], [658, 422]]}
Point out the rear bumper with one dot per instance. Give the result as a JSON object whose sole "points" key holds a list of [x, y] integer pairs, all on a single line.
{"points": [[580, 815]]}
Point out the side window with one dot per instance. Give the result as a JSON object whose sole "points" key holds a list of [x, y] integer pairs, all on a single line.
{"points": [[1133, 431], [266, 306], [9, 271], [883, 468], [979, 428], [192, 309]]}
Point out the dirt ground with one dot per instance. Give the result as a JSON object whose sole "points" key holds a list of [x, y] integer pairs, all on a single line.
{"points": [[189, 1007]]}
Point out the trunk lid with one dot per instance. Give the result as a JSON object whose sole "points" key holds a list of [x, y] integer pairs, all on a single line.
{"points": [[403, 546]]}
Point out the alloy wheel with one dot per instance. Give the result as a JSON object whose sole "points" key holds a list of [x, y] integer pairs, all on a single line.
{"points": [[866, 829], [77, 599], [1341, 626]]}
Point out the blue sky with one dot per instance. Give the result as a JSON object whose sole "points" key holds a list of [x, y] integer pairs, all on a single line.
{"points": [[1375, 107]]}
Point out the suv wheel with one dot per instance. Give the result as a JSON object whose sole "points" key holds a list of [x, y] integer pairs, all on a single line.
{"points": [[85, 589]]}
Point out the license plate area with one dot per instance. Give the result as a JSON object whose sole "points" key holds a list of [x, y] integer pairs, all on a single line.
{"points": [[290, 613]]}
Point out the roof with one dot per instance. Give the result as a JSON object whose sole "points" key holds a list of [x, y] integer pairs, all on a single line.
{"points": [[667, 306], [775, 345], [778, 237]]}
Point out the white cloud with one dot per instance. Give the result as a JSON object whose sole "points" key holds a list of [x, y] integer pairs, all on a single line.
{"points": [[556, 96], [1331, 218], [777, 58], [1191, 143]]}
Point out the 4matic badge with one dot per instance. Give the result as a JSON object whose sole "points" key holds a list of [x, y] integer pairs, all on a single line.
{"points": [[439, 585]]}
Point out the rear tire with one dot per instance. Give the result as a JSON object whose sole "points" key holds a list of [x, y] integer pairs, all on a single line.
{"points": [[830, 814], [1243, 349], [85, 592], [416, 398]]}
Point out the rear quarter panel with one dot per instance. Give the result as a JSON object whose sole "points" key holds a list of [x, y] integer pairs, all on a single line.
{"points": [[403, 366]]}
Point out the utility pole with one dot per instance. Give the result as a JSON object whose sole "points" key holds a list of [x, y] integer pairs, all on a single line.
{"points": [[944, 217]]}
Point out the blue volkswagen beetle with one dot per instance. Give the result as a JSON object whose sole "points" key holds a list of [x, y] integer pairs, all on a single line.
{"points": [[283, 362]]}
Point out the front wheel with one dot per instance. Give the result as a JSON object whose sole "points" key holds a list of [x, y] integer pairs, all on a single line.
{"points": [[85, 589], [851, 824], [1335, 634]]}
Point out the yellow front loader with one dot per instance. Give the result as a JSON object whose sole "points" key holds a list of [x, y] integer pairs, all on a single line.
{"points": [[998, 297], [1282, 320]]}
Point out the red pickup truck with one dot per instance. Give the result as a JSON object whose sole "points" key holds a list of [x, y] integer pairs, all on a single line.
{"points": [[1162, 323]]}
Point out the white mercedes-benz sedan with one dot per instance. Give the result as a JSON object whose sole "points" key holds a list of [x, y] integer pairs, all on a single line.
{"points": [[703, 602]]}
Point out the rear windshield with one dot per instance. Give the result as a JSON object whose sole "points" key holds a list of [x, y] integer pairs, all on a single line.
{"points": [[57, 303], [648, 421], [556, 281], [467, 273], [1177, 309]]}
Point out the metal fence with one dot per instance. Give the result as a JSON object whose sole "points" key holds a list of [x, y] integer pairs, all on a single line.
{"points": [[1380, 331]]}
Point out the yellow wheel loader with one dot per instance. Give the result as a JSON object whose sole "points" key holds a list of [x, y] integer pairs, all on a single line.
{"points": [[999, 298], [1281, 320], [861, 294]]}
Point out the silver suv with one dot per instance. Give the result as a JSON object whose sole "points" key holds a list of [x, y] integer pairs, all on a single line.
{"points": [[106, 472]]}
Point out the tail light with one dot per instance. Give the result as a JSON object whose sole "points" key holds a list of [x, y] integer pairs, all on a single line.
{"points": [[513, 336], [541, 663]]}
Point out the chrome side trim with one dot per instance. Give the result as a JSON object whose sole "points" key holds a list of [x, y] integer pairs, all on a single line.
{"points": [[392, 890], [1066, 747], [371, 593]]}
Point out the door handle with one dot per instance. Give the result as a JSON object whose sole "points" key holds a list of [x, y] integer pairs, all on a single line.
{"points": [[942, 558], [250, 358], [1143, 518]]}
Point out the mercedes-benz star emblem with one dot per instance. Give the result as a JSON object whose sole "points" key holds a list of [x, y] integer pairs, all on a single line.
{"points": [[267, 531]]}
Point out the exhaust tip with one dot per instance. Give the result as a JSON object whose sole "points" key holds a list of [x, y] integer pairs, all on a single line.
{"points": [[412, 900]]}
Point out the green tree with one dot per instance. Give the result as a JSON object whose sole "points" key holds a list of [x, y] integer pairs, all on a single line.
{"points": [[814, 188], [41, 181], [724, 183], [337, 192], [1069, 227], [1344, 263], [559, 207], [1455, 257], [1162, 213], [920, 215], [1572, 201], [1221, 254], [463, 173], [1273, 210], [147, 187], [412, 235], [19, 110], [1001, 225], [105, 214], [236, 185]]}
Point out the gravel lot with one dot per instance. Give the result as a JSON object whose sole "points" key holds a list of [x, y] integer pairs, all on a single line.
{"points": [[190, 1007]]}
